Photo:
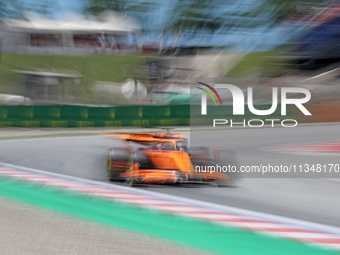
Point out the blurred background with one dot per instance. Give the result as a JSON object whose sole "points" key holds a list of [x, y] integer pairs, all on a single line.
{"points": [[136, 63], [112, 52]]}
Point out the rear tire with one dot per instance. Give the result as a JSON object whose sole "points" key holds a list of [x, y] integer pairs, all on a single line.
{"points": [[228, 158], [108, 168], [117, 155]]}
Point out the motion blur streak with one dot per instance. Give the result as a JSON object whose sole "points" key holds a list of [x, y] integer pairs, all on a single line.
{"points": [[194, 233]]}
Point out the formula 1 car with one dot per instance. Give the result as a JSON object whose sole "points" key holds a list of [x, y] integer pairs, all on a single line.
{"points": [[164, 158]]}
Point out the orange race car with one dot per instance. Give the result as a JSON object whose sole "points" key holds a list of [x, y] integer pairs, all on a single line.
{"points": [[164, 158]]}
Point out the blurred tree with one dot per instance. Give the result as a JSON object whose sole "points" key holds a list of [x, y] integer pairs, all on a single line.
{"points": [[8, 8], [142, 9], [212, 15], [275, 12], [15, 8], [122, 6], [42, 6], [98, 6], [194, 15]]}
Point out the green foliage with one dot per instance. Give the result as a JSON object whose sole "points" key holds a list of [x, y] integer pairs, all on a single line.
{"points": [[98, 6], [9, 8], [130, 7], [141, 10], [274, 12], [194, 15], [15, 8], [201, 16], [211, 15]]}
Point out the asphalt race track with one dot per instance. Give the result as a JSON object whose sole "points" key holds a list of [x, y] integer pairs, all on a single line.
{"points": [[311, 199]]}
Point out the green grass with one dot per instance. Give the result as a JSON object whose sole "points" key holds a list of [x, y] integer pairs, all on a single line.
{"points": [[92, 68], [265, 64], [116, 68]]}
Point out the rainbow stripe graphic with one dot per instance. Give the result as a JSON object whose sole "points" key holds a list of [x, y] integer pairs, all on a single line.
{"points": [[209, 93]]}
